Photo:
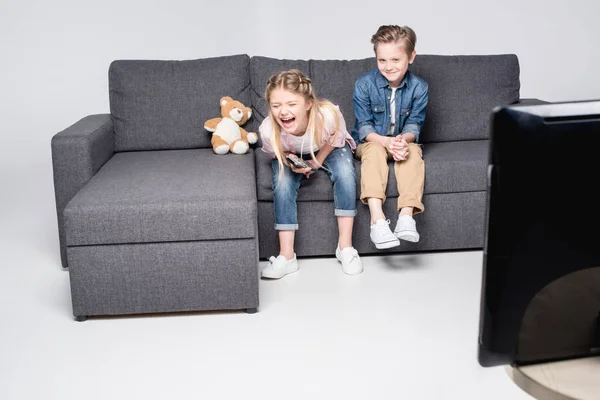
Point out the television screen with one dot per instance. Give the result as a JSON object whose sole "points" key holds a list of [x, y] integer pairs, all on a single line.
{"points": [[540, 297]]}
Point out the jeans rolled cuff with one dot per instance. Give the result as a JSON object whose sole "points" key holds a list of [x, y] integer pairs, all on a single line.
{"points": [[345, 213], [286, 227]]}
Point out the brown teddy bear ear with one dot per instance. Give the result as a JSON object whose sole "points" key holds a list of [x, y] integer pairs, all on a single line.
{"points": [[225, 100], [249, 112]]}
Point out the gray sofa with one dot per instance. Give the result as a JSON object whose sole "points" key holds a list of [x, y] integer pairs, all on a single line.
{"points": [[151, 220]]}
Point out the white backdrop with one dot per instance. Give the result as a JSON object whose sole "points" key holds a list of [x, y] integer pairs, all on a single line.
{"points": [[55, 55]]}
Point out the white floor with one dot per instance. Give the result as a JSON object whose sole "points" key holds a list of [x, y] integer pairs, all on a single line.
{"points": [[404, 329]]}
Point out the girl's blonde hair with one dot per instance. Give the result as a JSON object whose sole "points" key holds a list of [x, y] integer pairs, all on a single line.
{"points": [[393, 34], [296, 82]]}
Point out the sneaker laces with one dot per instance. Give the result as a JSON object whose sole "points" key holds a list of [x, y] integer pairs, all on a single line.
{"points": [[272, 259], [381, 226], [408, 223], [354, 252]]}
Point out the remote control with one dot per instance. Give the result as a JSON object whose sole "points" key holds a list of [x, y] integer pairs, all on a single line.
{"points": [[300, 163]]}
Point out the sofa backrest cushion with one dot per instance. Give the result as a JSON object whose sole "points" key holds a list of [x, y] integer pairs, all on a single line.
{"points": [[463, 90], [332, 80], [161, 105]]}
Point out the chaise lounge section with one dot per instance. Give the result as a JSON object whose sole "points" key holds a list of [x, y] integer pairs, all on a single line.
{"points": [[150, 219]]}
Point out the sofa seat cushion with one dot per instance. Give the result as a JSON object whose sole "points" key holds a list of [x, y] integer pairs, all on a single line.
{"points": [[169, 195], [453, 167], [450, 167]]}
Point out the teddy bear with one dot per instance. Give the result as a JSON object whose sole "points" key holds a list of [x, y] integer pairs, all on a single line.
{"points": [[227, 132]]}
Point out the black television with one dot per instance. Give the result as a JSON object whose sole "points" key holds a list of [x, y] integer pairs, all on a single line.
{"points": [[540, 295]]}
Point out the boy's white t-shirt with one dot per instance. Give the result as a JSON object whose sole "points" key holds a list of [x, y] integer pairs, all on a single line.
{"points": [[392, 111]]}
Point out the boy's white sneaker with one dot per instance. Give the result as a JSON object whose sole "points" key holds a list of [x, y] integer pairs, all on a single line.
{"points": [[406, 229], [280, 267], [351, 263], [382, 236]]}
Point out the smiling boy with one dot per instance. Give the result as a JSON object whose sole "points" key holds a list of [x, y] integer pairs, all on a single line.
{"points": [[390, 104]]}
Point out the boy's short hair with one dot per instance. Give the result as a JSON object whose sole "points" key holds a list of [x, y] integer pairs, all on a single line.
{"points": [[395, 33]]}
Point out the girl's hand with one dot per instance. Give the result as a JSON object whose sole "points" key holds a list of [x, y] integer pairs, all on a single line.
{"points": [[300, 170], [315, 165]]}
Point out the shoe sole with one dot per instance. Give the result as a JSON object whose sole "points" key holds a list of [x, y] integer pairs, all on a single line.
{"points": [[278, 276], [387, 245], [408, 236], [352, 273]]}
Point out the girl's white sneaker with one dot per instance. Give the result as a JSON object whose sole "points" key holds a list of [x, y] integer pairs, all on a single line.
{"points": [[280, 267], [351, 263]]}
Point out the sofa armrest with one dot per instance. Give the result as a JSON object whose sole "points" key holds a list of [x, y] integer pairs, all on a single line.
{"points": [[78, 152], [530, 102]]}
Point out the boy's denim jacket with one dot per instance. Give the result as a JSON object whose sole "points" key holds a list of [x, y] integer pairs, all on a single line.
{"points": [[371, 100]]}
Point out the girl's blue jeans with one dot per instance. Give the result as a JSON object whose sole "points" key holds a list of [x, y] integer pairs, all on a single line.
{"points": [[340, 169]]}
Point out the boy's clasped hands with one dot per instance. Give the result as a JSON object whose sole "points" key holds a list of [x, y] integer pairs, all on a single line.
{"points": [[398, 146]]}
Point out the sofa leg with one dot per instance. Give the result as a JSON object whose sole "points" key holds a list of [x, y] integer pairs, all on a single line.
{"points": [[251, 310], [81, 318]]}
